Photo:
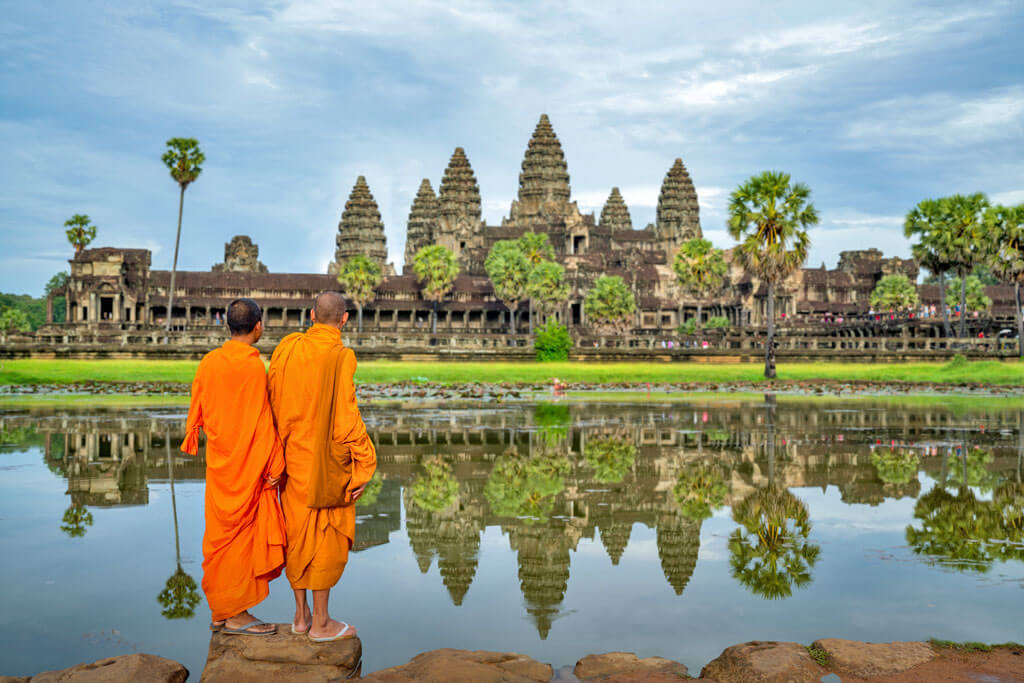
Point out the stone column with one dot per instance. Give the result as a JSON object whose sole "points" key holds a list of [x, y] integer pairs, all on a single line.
{"points": [[49, 314]]}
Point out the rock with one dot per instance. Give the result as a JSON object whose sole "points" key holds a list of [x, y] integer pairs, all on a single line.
{"points": [[284, 655], [13, 679], [600, 666], [464, 665], [865, 660], [134, 667], [762, 661]]}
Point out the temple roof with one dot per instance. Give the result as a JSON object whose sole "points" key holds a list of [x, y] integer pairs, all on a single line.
{"points": [[360, 230], [545, 175], [423, 217], [459, 194], [615, 214], [678, 215]]}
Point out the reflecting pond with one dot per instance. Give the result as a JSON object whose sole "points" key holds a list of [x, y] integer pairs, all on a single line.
{"points": [[552, 529]]}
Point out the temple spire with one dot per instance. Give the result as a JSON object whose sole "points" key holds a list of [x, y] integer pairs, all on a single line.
{"points": [[460, 226], [678, 211], [545, 175], [615, 214], [423, 218], [360, 230]]}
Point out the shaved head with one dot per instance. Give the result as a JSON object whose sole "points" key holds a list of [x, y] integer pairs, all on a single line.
{"points": [[329, 308]]}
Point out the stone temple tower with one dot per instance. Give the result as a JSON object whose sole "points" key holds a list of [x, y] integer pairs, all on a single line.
{"points": [[544, 181], [678, 211], [459, 226], [360, 230], [615, 214], [423, 219]]}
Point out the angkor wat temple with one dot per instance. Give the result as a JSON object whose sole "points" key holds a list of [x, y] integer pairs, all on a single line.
{"points": [[111, 287]]}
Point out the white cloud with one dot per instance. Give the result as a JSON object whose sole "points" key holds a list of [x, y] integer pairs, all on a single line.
{"points": [[1010, 197]]}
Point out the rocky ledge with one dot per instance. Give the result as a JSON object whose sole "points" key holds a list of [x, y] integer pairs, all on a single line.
{"points": [[294, 658]]}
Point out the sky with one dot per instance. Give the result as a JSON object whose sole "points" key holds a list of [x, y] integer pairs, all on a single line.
{"points": [[875, 105]]}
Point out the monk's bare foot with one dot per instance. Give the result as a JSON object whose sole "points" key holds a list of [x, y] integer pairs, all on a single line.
{"points": [[302, 622], [331, 629], [245, 619]]}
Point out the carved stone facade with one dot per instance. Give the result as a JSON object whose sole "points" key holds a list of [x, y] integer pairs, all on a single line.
{"points": [[241, 255], [360, 230], [678, 209], [424, 217], [615, 214]]}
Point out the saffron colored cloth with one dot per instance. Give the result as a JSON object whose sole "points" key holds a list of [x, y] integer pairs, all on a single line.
{"points": [[318, 539], [244, 541]]}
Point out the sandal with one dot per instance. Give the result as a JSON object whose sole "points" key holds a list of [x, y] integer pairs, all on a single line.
{"points": [[216, 626], [246, 630], [340, 635]]}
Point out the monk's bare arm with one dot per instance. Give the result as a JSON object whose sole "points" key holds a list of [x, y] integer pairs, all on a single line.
{"points": [[195, 415], [349, 428]]}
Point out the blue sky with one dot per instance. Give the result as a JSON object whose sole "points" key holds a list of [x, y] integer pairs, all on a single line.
{"points": [[875, 105]]}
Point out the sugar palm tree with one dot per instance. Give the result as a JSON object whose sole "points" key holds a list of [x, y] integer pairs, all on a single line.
{"points": [[360, 276], [436, 268], [609, 305], [964, 240], [185, 161], [537, 248], [1005, 234], [547, 286], [508, 269], [700, 270], [80, 232], [181, 593], [769, 216]]}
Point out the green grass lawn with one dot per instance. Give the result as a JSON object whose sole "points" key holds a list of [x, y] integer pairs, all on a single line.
{"points": [[988, 372]]}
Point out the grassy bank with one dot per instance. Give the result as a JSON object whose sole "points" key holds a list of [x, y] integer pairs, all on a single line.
{"points": [[985, 372]]}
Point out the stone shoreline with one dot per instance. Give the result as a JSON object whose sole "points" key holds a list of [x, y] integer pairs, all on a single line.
{"points": [[291, 657]]}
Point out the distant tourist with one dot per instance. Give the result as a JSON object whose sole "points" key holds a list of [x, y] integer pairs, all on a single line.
{"points": [[243, 545], [314, 401]]}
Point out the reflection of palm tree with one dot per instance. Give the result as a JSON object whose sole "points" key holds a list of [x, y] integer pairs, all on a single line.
{"points": [[76, 518], [955, 530], [526, 487], [895, 466], [180, 595], [973, 469], [610, 458], [436, 489], [372, 491], [769, 552], [699, 491]]}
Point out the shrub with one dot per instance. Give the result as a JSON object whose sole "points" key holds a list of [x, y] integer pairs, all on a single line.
{"points": [[689, 327], [552, 342], [718, 322]]}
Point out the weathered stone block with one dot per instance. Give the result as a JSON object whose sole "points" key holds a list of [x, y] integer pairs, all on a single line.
{"points": [[240, 659], [764, 662], [464, 665], [134, 667], [874, 659], [614, 663]]}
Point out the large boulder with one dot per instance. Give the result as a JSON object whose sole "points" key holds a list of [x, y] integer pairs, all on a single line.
{"points": [[135, 667], [764, 662], [284, 655], [624, 665], [464, 665], [865, 660]]}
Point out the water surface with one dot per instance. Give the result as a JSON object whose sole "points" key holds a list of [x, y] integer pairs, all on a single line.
{"points": [[555, 530]]}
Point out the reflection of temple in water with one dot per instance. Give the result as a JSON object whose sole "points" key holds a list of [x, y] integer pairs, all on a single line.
{"points": [[111, 460]]}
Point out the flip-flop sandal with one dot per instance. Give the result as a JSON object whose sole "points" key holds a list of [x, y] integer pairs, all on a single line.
{"points": [[215, 627], [337, 636], [244, 631], [297, 632]]}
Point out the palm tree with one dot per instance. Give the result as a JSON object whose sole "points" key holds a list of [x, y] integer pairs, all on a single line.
{"points": [[611, 458], [1005, 234], [609, 305], [547, 286], [508, 269], [76, 519], [700, 270], [769, 216], [180, 594], [964, 239], [925, 222], [436, 268], [360, 277], [185, 161], [894, 292], [700, 490], [536, 247], [79, 232]]}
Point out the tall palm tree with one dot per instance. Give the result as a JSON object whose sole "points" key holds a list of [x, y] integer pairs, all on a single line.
{"points": [[537, 248], [547, 286], [181, 593], [508, 269], [965, 240], [1005, 235], [185, 161], [769, 216], [436, 268], [360, 276], [80, 232], [926, 222], [700, 270]]}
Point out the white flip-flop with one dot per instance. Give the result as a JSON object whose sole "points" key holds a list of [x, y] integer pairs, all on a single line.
{"points": [[340, 635]]}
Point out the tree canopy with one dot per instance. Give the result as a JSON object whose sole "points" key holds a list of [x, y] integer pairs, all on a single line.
{"points": [[546, 286], [894, 293], [536, 247], [973, 295], [184, 160], [609, 305], [508, 269], [79, 231], [360, 276], [700, 268]]}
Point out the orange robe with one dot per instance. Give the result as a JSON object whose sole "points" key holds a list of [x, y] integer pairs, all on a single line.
{"points": [[243, 546], [318, 539]]}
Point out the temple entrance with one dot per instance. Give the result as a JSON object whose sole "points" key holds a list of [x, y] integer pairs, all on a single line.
{"points": [[106, 308], [576, 313]]}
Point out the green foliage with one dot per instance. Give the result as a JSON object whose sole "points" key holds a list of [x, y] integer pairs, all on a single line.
{"points": [[553, 421], [975, 462], [982, 271], [1005, 237], [700, 490], [894, 292], [546, 286], [436, 268], [372, 492], [360, 276], [525, 487], [56, 283], [895, 466], [536, 247], [958, 362], [976, 299], [610, 458], [688, 327], [184, 160], [610, 305], [79, 231], [33, 308], [76, 519], [700, 268], [508, 269], [552, 342], [717, 322], [969, 646], [769, 553], [436, 489], [179, 597], [960, 532], [818, 655], [769, 216], [14, 320]]}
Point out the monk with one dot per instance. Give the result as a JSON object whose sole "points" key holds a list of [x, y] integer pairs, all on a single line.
{"points": [[319, 539], [243, 545]]}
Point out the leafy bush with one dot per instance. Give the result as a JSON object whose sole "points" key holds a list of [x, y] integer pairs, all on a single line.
{"points": [[689, 327], [959, 360], [552, 342], [718, 322]]}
